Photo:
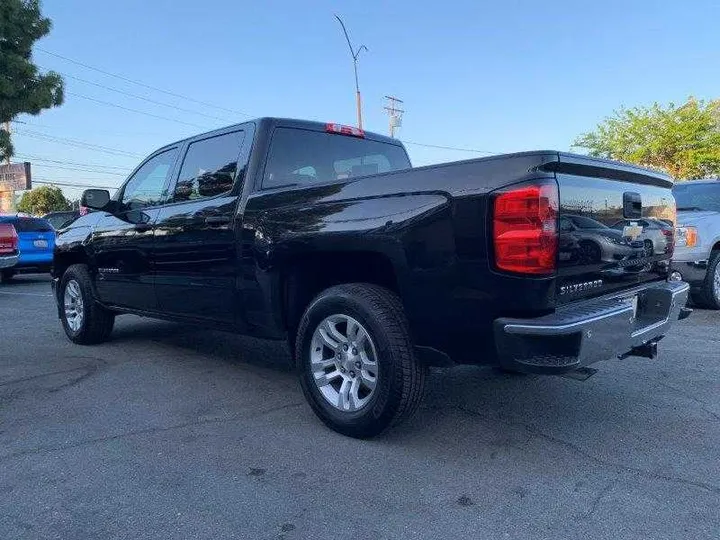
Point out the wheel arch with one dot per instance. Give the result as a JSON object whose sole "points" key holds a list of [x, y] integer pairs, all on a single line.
{"points": [[305, 276]]}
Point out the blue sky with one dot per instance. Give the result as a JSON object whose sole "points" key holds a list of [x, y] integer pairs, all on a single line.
{"points": [[493, 76]]}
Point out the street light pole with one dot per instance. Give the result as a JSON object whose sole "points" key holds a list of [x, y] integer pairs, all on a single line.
{"points": [[355, 54]]}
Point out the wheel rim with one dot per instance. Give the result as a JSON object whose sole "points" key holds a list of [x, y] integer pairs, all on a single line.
{"points": [[343, 362], [716, 282], [74, 306]]}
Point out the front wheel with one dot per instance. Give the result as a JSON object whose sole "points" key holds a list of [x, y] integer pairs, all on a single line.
{"points": [[709, 294], [356, 362], [84, 320]]}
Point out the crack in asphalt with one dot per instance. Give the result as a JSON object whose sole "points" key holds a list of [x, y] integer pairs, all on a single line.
{"points": [[146, 431], [599, 497], [50, 374], [703, 405], [604, 463]]}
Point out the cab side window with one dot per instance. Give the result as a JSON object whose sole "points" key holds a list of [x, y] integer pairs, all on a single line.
{"points": [[148, 186], [209, 167]]}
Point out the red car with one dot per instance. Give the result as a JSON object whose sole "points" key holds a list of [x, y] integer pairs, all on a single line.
{"points": [[8, 249]]}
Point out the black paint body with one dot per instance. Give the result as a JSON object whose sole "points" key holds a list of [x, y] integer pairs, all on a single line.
{"points": [[246, 261]]}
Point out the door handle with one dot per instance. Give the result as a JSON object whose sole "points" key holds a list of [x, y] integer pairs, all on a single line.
{"points": [[217, 221]]}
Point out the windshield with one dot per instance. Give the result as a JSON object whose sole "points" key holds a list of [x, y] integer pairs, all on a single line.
{"points": [[703, 196]]}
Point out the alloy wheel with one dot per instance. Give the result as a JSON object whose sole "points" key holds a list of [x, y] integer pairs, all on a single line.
{"points": [[74, 306], [343, 361]]}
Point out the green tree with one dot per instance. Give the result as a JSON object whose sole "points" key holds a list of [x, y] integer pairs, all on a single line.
{"points": [[22, 88], [42, 200], [682, 140]]}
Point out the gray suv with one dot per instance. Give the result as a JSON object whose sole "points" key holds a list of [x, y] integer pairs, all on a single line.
{"points": [[697, 244]]}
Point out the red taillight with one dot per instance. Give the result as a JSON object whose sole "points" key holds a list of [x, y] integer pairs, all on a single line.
{"points": [[345, 130], [670, 238], [8, 239], [525, 229]]}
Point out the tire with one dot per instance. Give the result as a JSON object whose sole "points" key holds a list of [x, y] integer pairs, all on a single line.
{"points": [[708, 296], [399, 379], [95, 323], [6, 275]]}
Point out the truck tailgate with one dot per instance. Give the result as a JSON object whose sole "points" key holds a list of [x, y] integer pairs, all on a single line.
{"points": [[616, 226]]}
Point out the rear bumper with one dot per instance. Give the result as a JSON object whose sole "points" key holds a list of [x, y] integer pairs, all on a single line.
{"points": [[8, 261], [587, 332]]}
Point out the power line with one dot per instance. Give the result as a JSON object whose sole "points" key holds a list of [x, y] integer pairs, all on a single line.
{"points": [[144, 85], [109, 104], [62, 167], [29, 157], [107, 132], [73, 177], [65, 184], [77, 143], [143, 98], [473, 150], [205, 103]]}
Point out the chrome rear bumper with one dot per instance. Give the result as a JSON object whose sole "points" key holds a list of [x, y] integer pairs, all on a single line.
{"points": [[586, 332]]}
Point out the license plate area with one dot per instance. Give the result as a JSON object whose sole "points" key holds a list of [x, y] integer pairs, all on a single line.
{"points": [[650, 307], [40, 244]]}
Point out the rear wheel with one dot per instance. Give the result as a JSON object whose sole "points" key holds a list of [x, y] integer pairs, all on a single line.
{"points": [[709, 294], [356, 362], [84, 320]]}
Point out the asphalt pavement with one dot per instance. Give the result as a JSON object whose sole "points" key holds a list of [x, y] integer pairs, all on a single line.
{"points": [[168, 431]]}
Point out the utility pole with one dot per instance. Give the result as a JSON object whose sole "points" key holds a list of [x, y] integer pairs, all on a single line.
{"points": [[355, 54], [394, 113], [7, 128]]}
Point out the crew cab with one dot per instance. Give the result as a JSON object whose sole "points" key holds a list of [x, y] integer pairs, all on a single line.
{"points": [[325, 236]]}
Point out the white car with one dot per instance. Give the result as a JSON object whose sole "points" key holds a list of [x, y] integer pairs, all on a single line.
{"points": [[655, 234]]}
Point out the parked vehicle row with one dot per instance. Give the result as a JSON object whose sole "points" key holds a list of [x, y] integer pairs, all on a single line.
{"points": [[324, 235], [35, 245]]}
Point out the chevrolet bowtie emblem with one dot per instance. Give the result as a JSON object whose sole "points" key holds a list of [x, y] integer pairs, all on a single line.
{"points": [[632, 231]]}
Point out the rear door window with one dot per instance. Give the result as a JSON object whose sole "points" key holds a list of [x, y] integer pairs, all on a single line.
{"points": [[300, 157], [209, 167]]}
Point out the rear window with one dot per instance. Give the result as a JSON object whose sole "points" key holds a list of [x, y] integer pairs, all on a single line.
{"points": [[697, 196], [301, 157], [32, 225]]}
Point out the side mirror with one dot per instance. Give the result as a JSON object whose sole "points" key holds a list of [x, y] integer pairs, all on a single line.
{"points": [[97, 199]]}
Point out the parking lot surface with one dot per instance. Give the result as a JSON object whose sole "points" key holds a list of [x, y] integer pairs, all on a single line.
{"points": [[168, 431]]}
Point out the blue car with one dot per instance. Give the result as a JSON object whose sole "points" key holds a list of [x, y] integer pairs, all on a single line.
{"points": [[36, 242]]}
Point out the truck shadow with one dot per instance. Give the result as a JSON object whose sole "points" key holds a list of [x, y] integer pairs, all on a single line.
{"points": [[221, 346], [481, 411]]}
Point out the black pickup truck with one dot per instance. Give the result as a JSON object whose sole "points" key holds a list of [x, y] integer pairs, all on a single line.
{"points": [[324, 235]]}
